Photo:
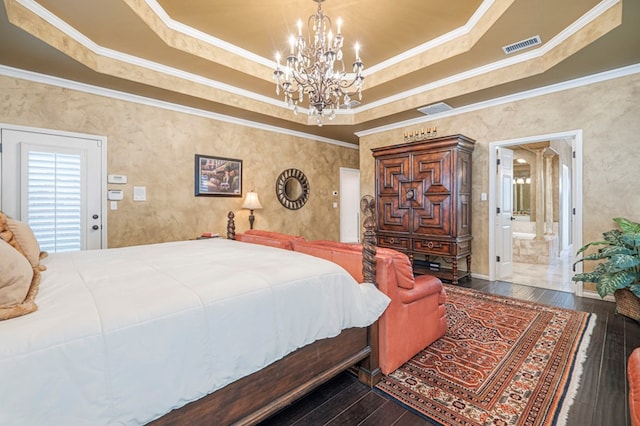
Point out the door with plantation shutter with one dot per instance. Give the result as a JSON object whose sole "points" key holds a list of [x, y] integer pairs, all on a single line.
{"points": [[54, 182]]}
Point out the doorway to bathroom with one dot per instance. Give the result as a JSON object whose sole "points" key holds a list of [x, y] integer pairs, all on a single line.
{"points": [[540, 191]]}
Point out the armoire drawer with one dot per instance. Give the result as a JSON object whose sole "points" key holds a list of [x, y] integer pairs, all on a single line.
{"points": [[431, 246], [397, 243]]}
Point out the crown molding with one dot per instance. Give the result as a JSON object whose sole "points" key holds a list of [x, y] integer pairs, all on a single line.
{"points": [[540, 91], [114, 94]]}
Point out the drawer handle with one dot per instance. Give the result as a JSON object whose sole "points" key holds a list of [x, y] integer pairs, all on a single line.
{"points": [[430, 244], [392, 240]]}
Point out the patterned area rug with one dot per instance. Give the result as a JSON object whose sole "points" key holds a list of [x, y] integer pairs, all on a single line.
{"points": [[502, 361]]}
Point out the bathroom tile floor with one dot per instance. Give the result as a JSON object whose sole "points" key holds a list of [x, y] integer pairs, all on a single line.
{"points": [[555, 276]]}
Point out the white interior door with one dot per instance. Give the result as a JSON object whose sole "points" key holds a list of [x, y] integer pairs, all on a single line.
{"points": [[504, 214], [54, 183], [349, 205]]}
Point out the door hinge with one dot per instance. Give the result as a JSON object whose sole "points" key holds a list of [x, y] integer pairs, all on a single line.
{"points": [[497, 210], [573, 153], [573, 210], [497, 161], [497, 258]]}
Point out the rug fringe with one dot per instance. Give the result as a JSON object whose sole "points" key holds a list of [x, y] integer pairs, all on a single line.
{"points": [[576, 374]]}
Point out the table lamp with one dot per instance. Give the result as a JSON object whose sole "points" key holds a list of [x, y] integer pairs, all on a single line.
{"points": [[252, 203]]}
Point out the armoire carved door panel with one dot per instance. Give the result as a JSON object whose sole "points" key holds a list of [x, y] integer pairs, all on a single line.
{"points": [[393, 180], [391, 173], [391, 216], [432, 216]]}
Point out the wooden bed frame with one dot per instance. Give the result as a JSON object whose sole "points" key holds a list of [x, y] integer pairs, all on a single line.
{"points": [[261, 394]]}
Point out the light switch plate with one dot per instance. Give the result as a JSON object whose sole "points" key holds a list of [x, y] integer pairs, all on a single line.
{"points": [[139, 193]]}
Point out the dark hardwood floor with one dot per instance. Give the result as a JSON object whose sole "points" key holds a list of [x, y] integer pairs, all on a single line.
{"points": [[601, 400]]}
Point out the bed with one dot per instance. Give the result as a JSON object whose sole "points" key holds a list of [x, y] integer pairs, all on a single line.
{"points": [[207, 331]]}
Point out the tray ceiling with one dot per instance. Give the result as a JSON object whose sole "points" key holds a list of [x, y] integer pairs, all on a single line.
{"points": [[218, 55]]}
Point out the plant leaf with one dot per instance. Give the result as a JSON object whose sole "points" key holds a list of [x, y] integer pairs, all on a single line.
{"points": [[613, 237], [627, 226], [608, 252], [609, 283], [631, 240], [624, 261], [593, 243], [587, 277]]}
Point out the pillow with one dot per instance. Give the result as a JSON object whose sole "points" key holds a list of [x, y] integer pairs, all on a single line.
{"points": [[18, 283], [403, 267], [24, 235]]}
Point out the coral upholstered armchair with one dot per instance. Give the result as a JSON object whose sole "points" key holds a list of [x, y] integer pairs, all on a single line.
{"points": [[414, 319]]}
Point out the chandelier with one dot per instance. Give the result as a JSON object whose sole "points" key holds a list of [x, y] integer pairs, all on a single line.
{"points": [[314, 68]]}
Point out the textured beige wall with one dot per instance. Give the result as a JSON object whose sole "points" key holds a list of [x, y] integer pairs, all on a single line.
{"points": [[155, 148], [608, 114]]}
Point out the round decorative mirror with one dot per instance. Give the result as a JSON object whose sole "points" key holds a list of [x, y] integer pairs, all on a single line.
{"points": [[292, 189]]}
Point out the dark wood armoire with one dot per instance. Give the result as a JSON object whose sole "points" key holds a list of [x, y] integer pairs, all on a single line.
{"points": [[423, 203]]}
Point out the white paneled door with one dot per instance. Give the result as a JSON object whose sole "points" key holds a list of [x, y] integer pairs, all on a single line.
{"points": [[504, 214], [349, 205], [54, 182]]}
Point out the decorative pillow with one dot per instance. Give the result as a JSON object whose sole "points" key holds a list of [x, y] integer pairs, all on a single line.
{"points": [[15, 275], [24, 235], [10, 306], [18, 283]]}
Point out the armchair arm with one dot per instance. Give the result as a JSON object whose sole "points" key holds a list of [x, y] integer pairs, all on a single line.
{"points": [[425, 285], [633, 374]]}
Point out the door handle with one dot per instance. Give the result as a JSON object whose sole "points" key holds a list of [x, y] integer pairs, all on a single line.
{"points": [[513, 218], [95, 227], [95, 216]]}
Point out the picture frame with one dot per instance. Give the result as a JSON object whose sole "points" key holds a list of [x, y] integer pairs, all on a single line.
{"points": [[218, 176]]}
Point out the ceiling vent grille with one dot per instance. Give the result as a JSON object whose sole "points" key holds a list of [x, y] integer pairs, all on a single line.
{"points": [[521, 45], [435, 108]]}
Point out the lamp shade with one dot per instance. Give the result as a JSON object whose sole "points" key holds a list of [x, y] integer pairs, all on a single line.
{"points": [[251, 201]]}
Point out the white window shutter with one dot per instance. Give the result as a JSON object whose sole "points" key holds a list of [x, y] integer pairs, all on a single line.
{"points": [[54, 200]]}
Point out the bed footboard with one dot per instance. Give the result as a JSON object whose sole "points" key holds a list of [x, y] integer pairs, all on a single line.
{"points": [[261, 394]]}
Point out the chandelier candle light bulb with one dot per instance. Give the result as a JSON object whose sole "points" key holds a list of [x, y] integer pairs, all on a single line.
{"points": [[315, 68]]}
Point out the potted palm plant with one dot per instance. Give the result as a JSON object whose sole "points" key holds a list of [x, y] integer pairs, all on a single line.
{"points": [[618, 269]]}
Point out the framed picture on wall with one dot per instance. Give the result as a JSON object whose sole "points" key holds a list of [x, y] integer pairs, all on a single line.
{"points": [[218, 176]]}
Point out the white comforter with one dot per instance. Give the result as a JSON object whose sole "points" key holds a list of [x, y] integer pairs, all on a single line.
{"points": [[122, 336]]}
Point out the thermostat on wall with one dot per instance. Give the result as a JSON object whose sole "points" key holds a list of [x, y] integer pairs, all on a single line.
{"points": [[115, 194], [117, 179]]}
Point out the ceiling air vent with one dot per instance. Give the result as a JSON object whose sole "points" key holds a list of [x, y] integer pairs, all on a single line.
{"points": [[521, 45], [435, 108]]}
